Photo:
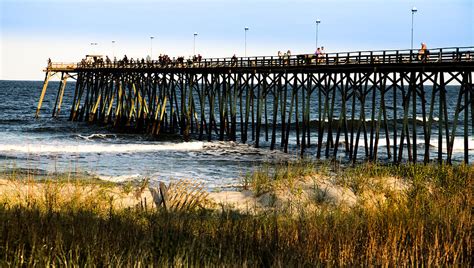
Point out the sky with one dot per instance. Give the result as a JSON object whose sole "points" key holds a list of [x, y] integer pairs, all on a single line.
{"points": [[31, 31]]}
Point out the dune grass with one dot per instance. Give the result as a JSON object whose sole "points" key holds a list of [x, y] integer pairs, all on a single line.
{"points": [[431, 226]]}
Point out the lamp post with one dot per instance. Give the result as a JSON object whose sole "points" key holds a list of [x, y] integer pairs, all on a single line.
{"points": [[318, 21], [413, 11], [246, 29], [113, 48], [92, 49], [151, 46], [194, 44]]}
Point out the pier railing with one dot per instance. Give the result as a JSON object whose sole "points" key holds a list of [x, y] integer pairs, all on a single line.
{"points": [[437, 55]]}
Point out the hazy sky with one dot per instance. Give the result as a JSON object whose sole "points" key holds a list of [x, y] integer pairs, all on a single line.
{"points": [[31, 31]]}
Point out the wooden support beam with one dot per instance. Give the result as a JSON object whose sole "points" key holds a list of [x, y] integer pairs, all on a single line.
{"points": [[467, 90], [259, 112], [276, 94], [43, 92], [62, 88]]}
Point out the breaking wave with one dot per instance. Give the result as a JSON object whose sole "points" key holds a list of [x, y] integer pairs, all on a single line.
{"points": [[99, 148]]}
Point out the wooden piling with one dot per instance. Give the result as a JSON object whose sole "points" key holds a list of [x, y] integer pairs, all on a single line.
{"points": [[43, 92]]}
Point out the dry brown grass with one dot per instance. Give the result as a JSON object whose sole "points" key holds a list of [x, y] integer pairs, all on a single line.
{"points": [[430, 226]]}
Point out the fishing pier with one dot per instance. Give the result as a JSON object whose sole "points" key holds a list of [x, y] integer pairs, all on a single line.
{"points": [[363, 105]]}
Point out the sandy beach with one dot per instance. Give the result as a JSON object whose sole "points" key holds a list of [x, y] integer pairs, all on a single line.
{"points": [[309, 191]]}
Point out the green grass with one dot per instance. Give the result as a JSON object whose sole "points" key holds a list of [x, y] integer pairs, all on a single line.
{"points": [[432, 226], [270, 176]]}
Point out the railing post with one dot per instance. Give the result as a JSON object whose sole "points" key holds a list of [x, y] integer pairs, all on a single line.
{"points": [[360, 56], [458, 57], [371, 57], [440, 55], [383, 57], [411, 55]]}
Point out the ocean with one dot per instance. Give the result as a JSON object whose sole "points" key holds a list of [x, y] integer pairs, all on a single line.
{"points": [[49, 144]]}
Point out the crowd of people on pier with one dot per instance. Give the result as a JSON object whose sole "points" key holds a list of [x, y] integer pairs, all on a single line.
{"points": [[317, 57], [286, 58], [163, 61]]}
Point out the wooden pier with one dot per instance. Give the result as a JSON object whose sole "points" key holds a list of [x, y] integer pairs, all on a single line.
{"points": [[392, 102]]}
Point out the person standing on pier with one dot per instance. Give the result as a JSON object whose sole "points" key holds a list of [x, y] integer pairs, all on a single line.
{"points": [[322, 54], [317, 55], [423, 53], [317, 52], [287, 57]]}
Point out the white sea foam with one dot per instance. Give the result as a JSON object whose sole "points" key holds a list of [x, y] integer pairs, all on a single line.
{"points": [[420, 118], [122, 178], [458, 145], [96, 136], [99, 148]]}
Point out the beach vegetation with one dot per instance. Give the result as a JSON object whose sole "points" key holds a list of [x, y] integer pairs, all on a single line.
{"points": [[424, 221]]}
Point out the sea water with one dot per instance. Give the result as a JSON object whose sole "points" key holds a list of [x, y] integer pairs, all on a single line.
{"points": [[49, 144]]}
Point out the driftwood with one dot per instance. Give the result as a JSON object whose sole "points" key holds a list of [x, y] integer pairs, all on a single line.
{"points": [[183, 195]]}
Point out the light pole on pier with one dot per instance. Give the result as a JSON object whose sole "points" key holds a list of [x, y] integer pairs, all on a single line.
{"points": [[92, 49], [246, 29], [151, 47], [194, 44], [318, 21], [113, 48], [413, 11]]}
